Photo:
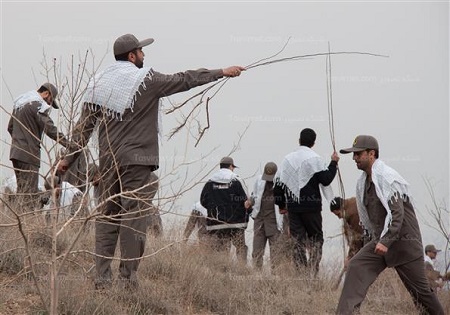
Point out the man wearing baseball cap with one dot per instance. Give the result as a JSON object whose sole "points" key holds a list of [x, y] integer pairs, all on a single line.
{"points": [[29, 120], [435, 279], [124, 102], [225, 201], [268, 221], [346, 210], [387, 214]]}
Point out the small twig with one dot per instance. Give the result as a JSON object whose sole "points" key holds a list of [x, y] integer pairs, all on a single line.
{"points": [[267, 58], [7, 87], [174, 108], [202, 132]]}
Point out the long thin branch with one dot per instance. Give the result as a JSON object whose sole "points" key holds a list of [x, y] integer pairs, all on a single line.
{"points": [[270, 57], [299, 57], [262, 62]]}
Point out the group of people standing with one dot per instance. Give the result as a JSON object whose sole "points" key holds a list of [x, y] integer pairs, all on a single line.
{"points": [[285, 200], [122, 101], [382, 226]]}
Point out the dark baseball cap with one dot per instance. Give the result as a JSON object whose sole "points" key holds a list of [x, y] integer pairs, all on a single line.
{"points": [[269, 171], [361, 143], [53, 91], [227, 160], [129, 42]]}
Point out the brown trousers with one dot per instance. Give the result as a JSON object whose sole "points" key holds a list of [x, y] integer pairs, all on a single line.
{"points": [[126, 219], [365, 267], [259, 245], [27, 195]]}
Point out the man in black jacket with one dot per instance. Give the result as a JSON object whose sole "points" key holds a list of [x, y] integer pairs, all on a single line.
{"points": [[226, 202], [297, 190]]}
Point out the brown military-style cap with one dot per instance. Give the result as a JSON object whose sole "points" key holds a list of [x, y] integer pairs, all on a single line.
{"points": [[431, 248], [361, 143], [129, 42], [53, 91], [269, 171]]}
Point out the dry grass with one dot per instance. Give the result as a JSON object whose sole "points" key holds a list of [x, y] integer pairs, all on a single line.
{"points": [[182, 279]]}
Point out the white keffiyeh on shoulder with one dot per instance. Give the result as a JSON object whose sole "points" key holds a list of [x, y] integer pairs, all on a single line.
{"points": [[29, 97], [116, 88], [298, 168], [388, 183], [224, 176]]}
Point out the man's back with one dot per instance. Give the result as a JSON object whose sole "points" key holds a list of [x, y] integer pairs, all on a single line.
{"points": [[432, 275], [351, 215], [310, 198], [224, 202]]}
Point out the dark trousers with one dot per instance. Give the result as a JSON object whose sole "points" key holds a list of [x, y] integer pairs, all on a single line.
{"points": [[306, 230], [27, 195], [221, 240], [126, 219], [365, 267]]}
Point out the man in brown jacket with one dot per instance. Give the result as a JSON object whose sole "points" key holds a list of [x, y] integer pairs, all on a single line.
{"points": [[268, 222], [124, 102], [29, 120], [346, 209], [435, 279], [386, 212]]}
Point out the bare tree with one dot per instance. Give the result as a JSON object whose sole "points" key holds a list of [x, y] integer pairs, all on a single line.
{"points": [[60, 236]]}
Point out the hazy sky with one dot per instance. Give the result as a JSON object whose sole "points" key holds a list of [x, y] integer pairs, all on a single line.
{"points": [[402, 100]]}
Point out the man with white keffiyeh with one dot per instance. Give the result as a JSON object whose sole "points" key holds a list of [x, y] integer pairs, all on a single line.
{"points": [[298, 182], [228, 210], [29, 120], [123, 101], [387, 214]]}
